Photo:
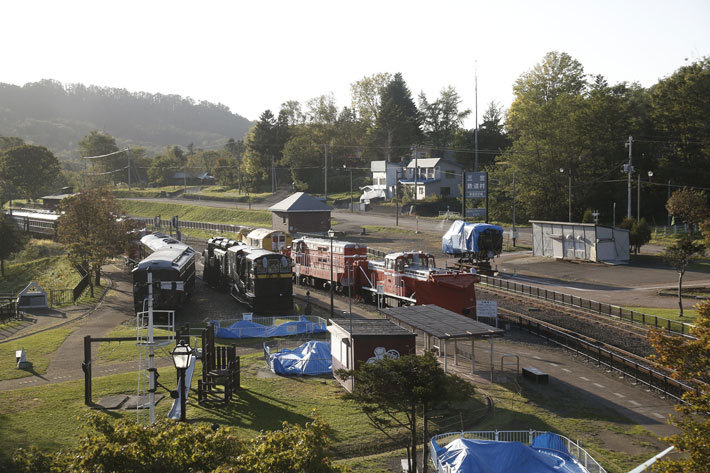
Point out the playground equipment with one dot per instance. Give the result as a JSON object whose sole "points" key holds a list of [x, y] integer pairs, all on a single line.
{"points": [[220, 370]]}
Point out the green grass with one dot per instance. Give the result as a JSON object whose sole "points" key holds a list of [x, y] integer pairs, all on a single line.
{"points": [[378, 229], [43, 262], [144, 192], [197, 213], [689, 315], [39, 349], [223, 192], [123, 351]]}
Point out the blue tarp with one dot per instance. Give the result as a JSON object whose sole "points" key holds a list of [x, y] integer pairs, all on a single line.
{"points": [[462, 237], [311, 358], [249, 329], [486, 456]]}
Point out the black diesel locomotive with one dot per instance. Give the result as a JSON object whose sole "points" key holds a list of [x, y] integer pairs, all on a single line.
{"points": [[259, 278], [172, 264]]}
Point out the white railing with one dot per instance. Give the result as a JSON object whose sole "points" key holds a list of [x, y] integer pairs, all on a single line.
{"points": [[523, 436]]}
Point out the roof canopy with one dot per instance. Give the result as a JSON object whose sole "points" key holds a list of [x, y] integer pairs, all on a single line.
{"points": [[370, 327], [300, 202], [441, 323]]}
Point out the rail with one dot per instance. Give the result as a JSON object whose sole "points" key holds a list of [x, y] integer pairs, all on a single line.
{"points": [[588, 304], [523, 436], [608, 359]]}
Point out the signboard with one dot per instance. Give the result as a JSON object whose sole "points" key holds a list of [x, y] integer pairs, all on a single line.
{"points": [[481, 213], [487, 309], [476, 185], [380, 289], [247, 316]]}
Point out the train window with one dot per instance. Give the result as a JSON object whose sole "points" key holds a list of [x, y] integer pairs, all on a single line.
{"points": [[400, 265], [274, 265], [284, 262]]}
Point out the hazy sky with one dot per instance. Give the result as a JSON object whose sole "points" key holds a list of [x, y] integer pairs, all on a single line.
{"points": [[255, 55]]}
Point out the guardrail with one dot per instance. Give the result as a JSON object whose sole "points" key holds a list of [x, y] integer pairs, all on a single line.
{"points": [[588, 304], [524, 436], [643, 374], [377, 253]]}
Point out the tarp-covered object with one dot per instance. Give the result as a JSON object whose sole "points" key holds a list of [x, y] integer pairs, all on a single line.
{"points": [[464, 237], [249, 329], [486, 456], [311, 358]]}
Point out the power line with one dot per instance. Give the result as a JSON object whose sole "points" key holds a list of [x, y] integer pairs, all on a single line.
{"points": [[105, 155]]}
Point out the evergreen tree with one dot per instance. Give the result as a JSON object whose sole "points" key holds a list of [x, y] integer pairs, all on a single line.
{"points": [[398, 125]]}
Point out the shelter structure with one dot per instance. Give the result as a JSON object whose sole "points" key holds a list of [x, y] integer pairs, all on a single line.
{"points": [[440, 326], [32, 297], [580, 241], [356, 342], [52, 201], [301, 213]]}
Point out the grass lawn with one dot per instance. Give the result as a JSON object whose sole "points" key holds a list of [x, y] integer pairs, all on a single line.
{"points": [[43, 262], [39, 349], [229, 193], [124, 351], [689, 315], [144, 192], [197, 213]]}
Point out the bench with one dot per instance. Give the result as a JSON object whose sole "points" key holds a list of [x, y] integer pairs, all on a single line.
{"points": [[536, 375]]}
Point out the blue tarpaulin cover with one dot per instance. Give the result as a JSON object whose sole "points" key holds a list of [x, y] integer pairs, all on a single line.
{"points": [[249, 329], [311, 358], [462, 237], [486, 456]]}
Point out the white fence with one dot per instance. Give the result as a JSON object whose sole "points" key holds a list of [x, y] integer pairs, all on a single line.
{"points": [[523, 436]]}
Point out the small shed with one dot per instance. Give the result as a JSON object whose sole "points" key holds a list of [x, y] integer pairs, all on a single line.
{"points": [[32, 297], [52, 201], [580, 241], [301, 213], [372, 340]]}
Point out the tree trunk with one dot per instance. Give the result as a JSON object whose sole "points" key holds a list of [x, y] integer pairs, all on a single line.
{"points": [[680, 293], [425, 447], [414, 440], [97, 275], [2, 267]]}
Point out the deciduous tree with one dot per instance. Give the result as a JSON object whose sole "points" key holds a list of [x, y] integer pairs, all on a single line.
{"points": [[688, 359], [90, 229], [442, 118], [689, 205], [391, 391], [11, 240], [679, 256], [98, 143], [29, 169], [366, 94]]}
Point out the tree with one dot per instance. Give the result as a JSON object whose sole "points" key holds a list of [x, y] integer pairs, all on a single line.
{"points": [[688, 359], [689, 205], [90, 229], [122, 445], [442, 118], [398, 124], [679, 256], [366, 95], [164, 166], [7, 142], [11, 240], [391, 391], [98, 143], [29, 169], [640, 235]]}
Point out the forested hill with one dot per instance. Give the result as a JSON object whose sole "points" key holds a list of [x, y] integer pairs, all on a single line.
{"points": [[57, 116]]}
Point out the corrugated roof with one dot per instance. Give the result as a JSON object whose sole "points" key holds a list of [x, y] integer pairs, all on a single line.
{"points": [[365, 327], [440, 322], [300, 202]]}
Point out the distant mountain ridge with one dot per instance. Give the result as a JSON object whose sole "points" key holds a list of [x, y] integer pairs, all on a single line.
{"points": [[58, 115]]}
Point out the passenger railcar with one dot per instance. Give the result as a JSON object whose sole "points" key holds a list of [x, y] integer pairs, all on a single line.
{"points": [[311, 258], [35, 221], [172, 265], [260, 278]]}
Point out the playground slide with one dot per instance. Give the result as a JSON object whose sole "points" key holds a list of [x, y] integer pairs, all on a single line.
{"points": [[175, 410]]}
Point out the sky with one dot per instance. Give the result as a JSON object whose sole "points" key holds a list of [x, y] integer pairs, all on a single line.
{"points": [[253, 56]]}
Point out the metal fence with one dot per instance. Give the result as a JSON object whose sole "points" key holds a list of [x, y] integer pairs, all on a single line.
{"points": [[587, 304], [641, 373], [524, 436], [215, 227], [8, 310]]}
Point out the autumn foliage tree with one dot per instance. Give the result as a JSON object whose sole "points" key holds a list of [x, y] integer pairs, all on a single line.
{"points": [[689, 359], [91, 229], [106, 445]]}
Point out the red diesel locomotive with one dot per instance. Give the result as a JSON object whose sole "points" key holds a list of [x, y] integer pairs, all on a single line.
{"points": [[403, 278]]}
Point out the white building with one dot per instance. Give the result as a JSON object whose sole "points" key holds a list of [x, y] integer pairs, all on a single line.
{"points": [[580, 241], [384, 178], [434, 176]]}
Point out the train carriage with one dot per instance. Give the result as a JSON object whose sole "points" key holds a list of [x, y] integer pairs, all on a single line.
{"points": [[214, 259], [172, 265], [268, 239], [311, 258]]}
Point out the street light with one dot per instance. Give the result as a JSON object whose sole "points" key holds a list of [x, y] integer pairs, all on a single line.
{"points": [[331, 235], [345, 166], [569, 195], [181, 357]]}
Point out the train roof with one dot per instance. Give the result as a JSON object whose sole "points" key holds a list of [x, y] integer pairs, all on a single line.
{"points": [[252, 252], [405, 253], [326, 241], [166, 258], [49, 216], [260, 233], [157, 241]]}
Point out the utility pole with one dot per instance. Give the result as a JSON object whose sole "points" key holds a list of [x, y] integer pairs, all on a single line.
{"points": [[463, 195], [396, 197], [128, 155], [475, 132], [351, 187], [638, 199], [629, 170], [273, 177], [416, 172], [325, 167], [515, 232], [669, 196], [569, 196]]}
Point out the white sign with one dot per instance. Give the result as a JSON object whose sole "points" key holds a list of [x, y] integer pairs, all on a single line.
{"points": [[487, 309], [380, 289], [172, 285], [247, 315]]}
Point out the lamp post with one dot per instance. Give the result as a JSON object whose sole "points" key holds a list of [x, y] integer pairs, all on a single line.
{"points": [[351, 185], [569, 194], [331, 235], [181, 357]]}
